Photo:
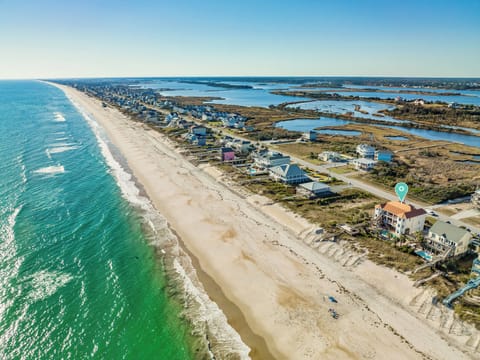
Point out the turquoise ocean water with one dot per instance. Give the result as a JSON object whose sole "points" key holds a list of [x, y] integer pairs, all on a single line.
{"points": [[78, 275]]}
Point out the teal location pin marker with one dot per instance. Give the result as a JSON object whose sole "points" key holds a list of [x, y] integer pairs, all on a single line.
{"points": [[401, 189]]}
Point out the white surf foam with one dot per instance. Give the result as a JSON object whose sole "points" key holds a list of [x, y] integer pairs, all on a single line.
{"points": [[8, 254], [209, 311], [60, 149], [23, 169], [52, 170], [46, 283], [59, 117], [7, 234], [125, 180], [24, 174]]}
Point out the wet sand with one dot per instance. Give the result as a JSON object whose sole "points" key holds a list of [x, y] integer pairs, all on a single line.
{"points": [[257, 267]]}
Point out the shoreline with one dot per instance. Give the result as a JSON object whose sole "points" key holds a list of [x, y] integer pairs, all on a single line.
{"points": [[284, 304], [177, 264]]}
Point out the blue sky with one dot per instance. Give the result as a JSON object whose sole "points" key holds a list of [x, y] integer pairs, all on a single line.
{"points": [[90, 38]]}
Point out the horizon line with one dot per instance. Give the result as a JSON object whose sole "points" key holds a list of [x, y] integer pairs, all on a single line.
{"points": [[246, 76]]}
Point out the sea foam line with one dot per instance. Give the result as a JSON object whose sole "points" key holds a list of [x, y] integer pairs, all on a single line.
{"points": [[51, 170], [61, 149], [45, 283], [209, 310], [59, 116], [8, 254]]}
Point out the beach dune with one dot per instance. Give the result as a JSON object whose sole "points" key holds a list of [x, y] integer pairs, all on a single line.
{"points": [[253, 253]]}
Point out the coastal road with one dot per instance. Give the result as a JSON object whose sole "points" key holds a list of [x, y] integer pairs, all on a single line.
{"points": [[374, 190], [377, 191]]}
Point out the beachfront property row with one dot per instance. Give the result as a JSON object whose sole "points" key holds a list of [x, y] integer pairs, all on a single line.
{"points": [[396, 219], [142, 103], [367, 160]]}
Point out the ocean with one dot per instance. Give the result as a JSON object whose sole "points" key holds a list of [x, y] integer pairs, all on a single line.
{"points": [[80, 273]]}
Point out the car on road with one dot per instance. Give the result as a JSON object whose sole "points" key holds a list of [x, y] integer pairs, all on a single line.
{"points": [[432, 213]]}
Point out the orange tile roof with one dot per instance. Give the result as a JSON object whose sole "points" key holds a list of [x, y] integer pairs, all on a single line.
{"points": [[401, 210]]}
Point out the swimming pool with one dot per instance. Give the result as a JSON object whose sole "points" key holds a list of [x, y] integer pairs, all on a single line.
{"points": [[424, 255]]}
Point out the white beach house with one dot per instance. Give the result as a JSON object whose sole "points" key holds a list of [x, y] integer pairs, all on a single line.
{"points": [[365, 151], [288, 174], [399, 218], [266, 159], [364, 164], [443, 237], [330, 156]]}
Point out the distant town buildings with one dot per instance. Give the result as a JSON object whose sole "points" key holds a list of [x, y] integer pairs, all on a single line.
{"points": [[398, 218], [196, 135]]}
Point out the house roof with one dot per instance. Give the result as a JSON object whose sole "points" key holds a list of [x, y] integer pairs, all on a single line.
{"points": [[365, 147], [383, 152], [288, 170], [315, 186], [449, 231], [401, 210]]}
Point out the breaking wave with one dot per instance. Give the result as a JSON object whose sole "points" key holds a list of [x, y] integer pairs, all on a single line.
{"points": [[51, 170], [44, 284], [204, 311], [61, 149], [59, 117]]}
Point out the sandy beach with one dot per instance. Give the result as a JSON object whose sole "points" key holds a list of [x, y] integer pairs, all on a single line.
{"points": [[256, 263]]}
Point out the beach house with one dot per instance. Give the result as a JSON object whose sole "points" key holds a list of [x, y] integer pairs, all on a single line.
{"points": [[266, 159], [313, 189], [310, 135], [398, 218], [227, 154], [383, 155], [329, 156], [365, 151], [443, 237], [198, 130], [242, 146], [364, 164], [288, 174]]}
